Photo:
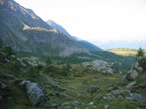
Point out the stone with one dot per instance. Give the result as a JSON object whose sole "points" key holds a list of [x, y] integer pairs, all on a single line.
{"points": [[137, 67], [99, 66], [76, 103], [131, 75], [35, 93], [106, 107], [91, 103], [138, 97]]}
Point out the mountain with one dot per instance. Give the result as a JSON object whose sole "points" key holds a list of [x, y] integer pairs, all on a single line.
{"points": [[23, 30], [131, 43], [82, 43]]}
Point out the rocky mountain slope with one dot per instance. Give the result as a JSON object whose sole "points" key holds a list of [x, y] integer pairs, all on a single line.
{"points": [[22, 29], [82, 43]]}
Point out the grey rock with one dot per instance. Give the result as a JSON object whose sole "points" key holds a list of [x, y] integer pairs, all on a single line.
{"points": [[137, 67], [76, 103], [91, 103], [138, 97], [132, 74], [106, 107], [35, 93], [99, 66]]}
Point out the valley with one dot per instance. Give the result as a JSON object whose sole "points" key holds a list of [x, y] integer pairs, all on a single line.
{"points": [[42, 66]]}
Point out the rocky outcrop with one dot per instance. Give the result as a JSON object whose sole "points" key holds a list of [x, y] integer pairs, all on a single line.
{"points": [[131, 92], [99, 66], [133, 73], [35, 93]]}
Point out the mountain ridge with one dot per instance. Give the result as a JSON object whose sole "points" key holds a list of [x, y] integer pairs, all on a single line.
{"points": [[83, 43], [32, 34]]}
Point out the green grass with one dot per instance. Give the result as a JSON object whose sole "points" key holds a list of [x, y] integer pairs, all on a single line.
{"points": [[73, 83]]}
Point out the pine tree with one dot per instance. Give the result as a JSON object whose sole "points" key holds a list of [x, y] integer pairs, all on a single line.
{"points": [[140, 53]]}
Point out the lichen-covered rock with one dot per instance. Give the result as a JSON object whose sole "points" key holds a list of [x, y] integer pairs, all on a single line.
{"points": [[35, 93], [138, 97], [99, 66], [137, 67], [131, 75], [76, 103]]}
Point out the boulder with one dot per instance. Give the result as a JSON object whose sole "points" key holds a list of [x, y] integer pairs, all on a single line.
{"points": [[138, 97], [137, 67], [134, 72], [35, 92], [76, 103], [91, 103], [106, 107], [99, 66], [132, 75]]}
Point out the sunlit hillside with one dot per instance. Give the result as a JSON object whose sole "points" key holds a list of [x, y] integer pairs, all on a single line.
{"points": [[125, 51]]}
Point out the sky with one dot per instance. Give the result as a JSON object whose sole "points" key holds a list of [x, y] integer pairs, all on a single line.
{"points": [[94, 20]]}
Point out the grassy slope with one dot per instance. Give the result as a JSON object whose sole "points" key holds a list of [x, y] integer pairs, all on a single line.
{"points": [[73, 83], [80, 80]]}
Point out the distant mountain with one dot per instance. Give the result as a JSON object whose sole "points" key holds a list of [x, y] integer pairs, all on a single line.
{"points": [[82, 43], [133, 43], [23, 30]]}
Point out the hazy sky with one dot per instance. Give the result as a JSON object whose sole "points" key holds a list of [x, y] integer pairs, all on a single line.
{"points": [[94, 20]]}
